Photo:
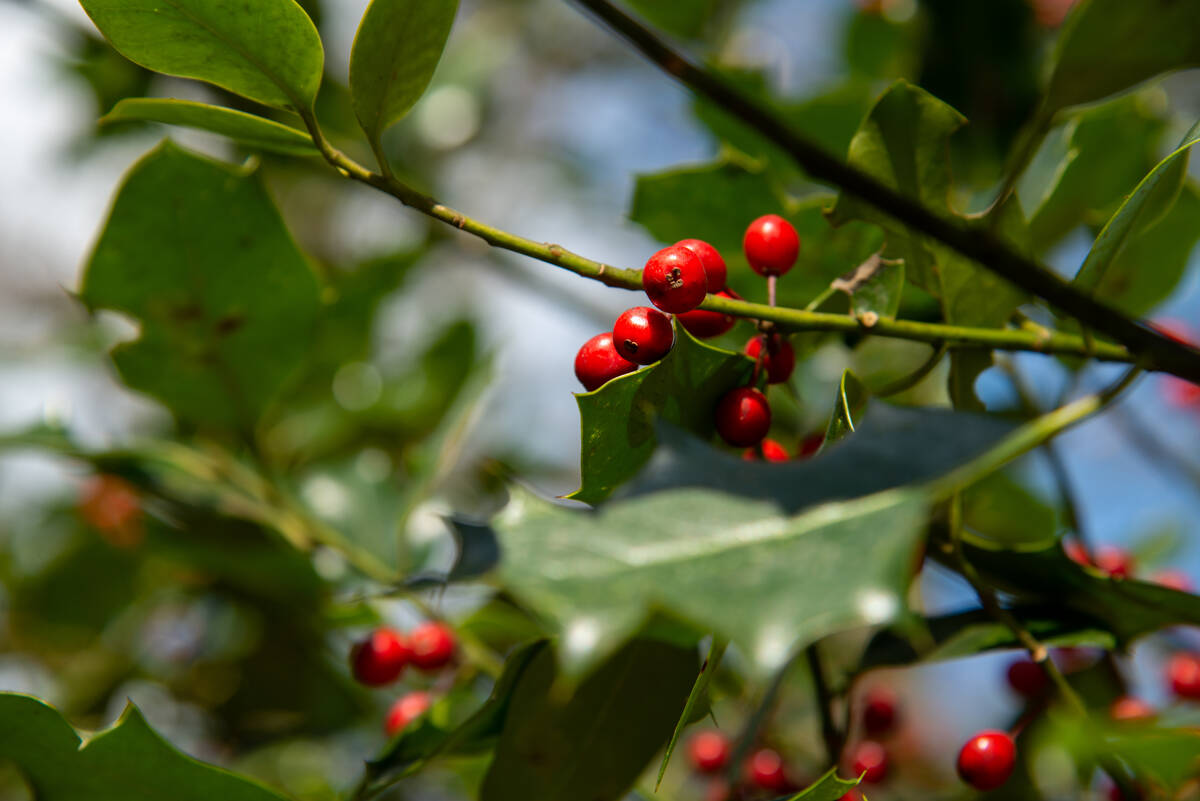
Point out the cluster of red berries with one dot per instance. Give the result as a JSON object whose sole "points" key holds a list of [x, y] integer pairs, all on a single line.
{"points": [[1119, 563], [381, 658], [709, 753], [676, 280]]}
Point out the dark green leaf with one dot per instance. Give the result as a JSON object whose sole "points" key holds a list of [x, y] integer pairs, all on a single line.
{"points": [[247, 129], [848, 407], [124, 762], [696, 701], [1161, 757], [197, 253], [1000, 509], [829, 787], [268, 50], [396, 50]]}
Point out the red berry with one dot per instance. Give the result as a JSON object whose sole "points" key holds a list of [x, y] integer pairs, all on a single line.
{"points": [[643, 335], [1129, 708], [987, 760], [771, 245], [811, 444], [1183, 673], [879, 710], [743, 417], [771, 450], [717, 790], [704, 324], [708, 751], [779, 360], [407, 709], [1180, 392], [710, 257], [432, 645], [766, 770], [1174, 579], [870, 762], [674, 280], [598, 362], [381, 658], [112, 506], [1077, 553], [1114, 561], [1027, 678]]}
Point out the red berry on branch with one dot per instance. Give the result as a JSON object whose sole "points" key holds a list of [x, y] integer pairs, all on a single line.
{"points": [[779, 360], [710, 257], [598, 362], [432, 645], [704, 324], [1174, 579], [1129, 708], [879, 710], [1183, 674], [870, 761], [766, 770], [743, 417], [1116, 562], [381, 658], [709, 751], [674, 280], [987, 760], [407, 709], [643, 335], [1027, 678], [771, 245]]}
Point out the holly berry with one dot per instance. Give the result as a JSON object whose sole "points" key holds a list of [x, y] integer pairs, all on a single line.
{"points": [[1077, 553], [710, 257], [987, 760], [1174, 579], [771, 245], [766, 770], [674, 280], [870, 762], [879, 710], [381, 658], [1027, 678], [598, 362], [743, 417], [432, 645], [772, 451], [111, 505], [705, 324], [1116, 562], [643, 335], [779, 359], [1183, 673], [1129, 708], [406, 709], [810, 445], [708, 751]]}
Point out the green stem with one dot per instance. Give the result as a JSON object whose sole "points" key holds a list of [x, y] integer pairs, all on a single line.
{"points": [[830, 733]]}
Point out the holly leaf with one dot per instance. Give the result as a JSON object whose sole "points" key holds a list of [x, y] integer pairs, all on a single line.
{"points": [[829, 787], [698, 696], [874, 288], [252, 131], [195, 251], [851, 401], [1161, 756], [127, 760], [268, 51]]}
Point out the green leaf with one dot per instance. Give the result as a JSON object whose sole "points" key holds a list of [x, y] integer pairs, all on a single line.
{"points": [[696, 697], [1002, 510], [1111, 45], [1160, 756], [600, 740], [195, 251], [126, 761], [396, 50], [829, 787], [849, 405], [252, 131], [679, 17], [617, 420], [268, 50]]}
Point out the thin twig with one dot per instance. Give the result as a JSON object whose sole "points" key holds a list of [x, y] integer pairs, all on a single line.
{"points": [[833, 737]]}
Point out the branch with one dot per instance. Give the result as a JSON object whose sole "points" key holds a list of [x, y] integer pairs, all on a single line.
{"points": [[833, 738], [1152, 349]]}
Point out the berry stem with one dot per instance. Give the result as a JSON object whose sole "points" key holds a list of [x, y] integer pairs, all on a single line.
{"points": [[771, 279]]}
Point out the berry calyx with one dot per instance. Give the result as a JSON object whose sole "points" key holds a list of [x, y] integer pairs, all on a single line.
{"points": [[1129, 708], [598, 362], [714, 266], [1027, 678], [705, 324], [879, 710], [674, 280], [987, 760], [406, 709], [1183, 674], [432, 645], [643, 335], [870, 762], [766, 770], [771, 245], [743, 417], [708, 751], [779, 359], [381, 658]]}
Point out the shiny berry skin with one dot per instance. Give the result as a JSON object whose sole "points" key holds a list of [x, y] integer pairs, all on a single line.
{"points": [[1183, 674], [879, 710], [407, 709], [987, 760], [771, 245], [870, 762], [432, 645], [1027, 678], [704, 324], [1129, 708], [779, 360], [766, 770], [708, 751], [710, 257], [674, 280], [598, 362], [643, 335], [381, 658], [743, 417], [1174, 579]]}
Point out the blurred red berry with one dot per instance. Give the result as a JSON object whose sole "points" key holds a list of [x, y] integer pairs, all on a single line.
{"points": [[743, 417], [111, 505], [381, 658], [1116, 562], [879, 710], [407, 709], [772, 451], [987, 760], [1129, 708], [709, 751], [779, 359], [710, 257], [1027, 678], [1051, 13], [1183, 674], [870, 761], [1076, 552], [810, 445], [598, 362], [432, 645], [766, 770], [1175, 579], [704, 324]]}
